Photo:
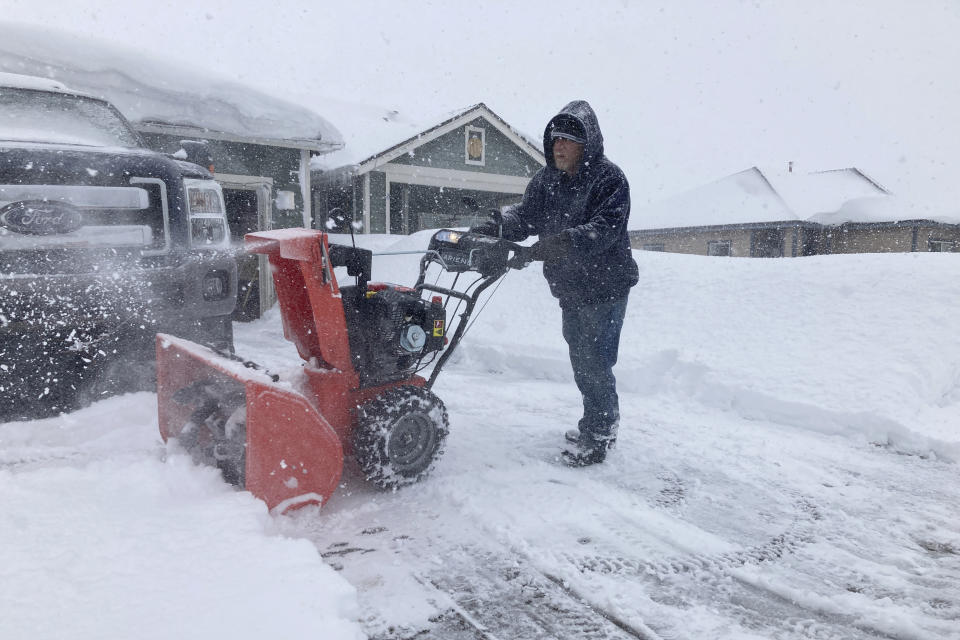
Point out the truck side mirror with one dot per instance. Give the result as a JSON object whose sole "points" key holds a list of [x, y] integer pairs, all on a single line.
{"points": [[198, 152]]}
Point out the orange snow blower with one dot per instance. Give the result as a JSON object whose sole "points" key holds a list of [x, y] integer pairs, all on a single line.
{"points": [[358, 392]]}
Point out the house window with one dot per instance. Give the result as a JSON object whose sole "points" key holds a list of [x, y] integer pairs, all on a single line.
{"points": [[766, 243], [941, 245], [652, 247], [475, 151], [719, 248]]}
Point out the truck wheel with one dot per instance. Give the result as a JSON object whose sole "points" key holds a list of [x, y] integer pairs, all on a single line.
{"points": [[217, 332], [399, 434], [121, 373]]}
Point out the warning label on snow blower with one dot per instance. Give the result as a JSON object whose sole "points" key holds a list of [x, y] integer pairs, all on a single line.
{"points": [[438, 328]]}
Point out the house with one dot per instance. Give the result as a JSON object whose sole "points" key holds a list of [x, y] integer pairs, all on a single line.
{"points": [[259, 145], [396, 175], [759, 213]]}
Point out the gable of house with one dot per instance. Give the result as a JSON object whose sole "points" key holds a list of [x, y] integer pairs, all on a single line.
{"points": [[449, 174], [494, 152]]}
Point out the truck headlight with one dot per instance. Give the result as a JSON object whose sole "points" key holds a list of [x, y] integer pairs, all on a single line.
{"points": [[208, 221], [207, 231]]}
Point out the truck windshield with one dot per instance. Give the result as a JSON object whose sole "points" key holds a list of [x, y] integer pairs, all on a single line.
{"points": [[27, 115]]}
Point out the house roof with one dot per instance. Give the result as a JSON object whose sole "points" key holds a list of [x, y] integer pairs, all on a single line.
{"points": [[374, 136], [161, 96], [757, 196]]}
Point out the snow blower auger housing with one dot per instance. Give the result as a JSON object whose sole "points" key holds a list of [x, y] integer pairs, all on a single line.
{"points": [[359, 392]]}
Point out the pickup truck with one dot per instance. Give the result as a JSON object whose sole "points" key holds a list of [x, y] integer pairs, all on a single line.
{"points": [[103, 244]]}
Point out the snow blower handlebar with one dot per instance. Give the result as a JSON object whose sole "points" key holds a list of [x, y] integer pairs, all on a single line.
{"points": [[460, 252]]}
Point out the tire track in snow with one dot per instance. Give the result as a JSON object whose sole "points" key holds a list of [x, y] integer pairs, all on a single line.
{"points": [[495, 594], [502, 591], [683, 582]]}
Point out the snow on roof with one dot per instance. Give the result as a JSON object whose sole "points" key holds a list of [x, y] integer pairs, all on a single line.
{"points": [[151, 90], [893, 208], [367, 130], [372, 131], [741, 198], [20, 81], [824, 192], [755, 196]]}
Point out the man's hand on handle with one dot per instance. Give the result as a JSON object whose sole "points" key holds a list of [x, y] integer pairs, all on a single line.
{"points": [[550, 247], [492, 227]]}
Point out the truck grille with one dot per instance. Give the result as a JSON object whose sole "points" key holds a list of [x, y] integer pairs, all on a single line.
{"points": [[69, 230]]}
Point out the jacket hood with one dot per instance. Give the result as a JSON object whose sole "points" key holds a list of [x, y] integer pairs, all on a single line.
{"points": [[581, 111]]}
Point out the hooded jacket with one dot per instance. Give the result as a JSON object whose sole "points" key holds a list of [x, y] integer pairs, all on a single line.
{"points": [[589, 210]]}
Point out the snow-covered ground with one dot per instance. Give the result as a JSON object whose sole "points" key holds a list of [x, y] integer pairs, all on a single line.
{"points": [[786, 468]]}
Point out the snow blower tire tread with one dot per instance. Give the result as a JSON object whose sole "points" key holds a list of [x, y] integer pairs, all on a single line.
{"points": [[399, 435]]}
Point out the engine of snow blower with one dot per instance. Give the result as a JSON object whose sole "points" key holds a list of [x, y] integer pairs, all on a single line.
{"points": [[391, 328], [363, 345]]}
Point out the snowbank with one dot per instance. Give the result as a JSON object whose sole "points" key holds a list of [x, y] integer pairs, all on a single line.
{"points": [[106, 535]]}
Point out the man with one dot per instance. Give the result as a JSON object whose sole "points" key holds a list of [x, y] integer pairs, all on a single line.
{"points": [[578, 205]]}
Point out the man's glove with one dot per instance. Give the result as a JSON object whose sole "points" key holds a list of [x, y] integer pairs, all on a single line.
{"points": [[489, 228], [550, 247]]}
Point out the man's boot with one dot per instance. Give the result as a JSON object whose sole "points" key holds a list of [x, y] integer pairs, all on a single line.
{"points": [[575, 436], [584, 456], [589, 449]]}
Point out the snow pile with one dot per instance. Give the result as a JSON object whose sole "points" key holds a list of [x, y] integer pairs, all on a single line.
{"points": [[786, 467], [148, 89], [107, 537]]}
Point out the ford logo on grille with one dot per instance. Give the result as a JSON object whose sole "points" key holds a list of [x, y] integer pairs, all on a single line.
{"points": [[41, 217]]}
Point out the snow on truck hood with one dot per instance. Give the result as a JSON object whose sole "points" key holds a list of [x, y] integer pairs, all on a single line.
{"points": [[151, 91]]}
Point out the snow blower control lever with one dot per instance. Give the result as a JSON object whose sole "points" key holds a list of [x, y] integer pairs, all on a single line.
{"points": [[358, 392]]}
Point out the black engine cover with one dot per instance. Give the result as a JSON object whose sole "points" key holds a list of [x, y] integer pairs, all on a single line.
{"points": [[377, 318]]}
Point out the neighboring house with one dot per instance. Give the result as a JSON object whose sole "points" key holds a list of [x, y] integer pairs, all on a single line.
{"points": [[761, 214], [397, 176], [259, 146]]}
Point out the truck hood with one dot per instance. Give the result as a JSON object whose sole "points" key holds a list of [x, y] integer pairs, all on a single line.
{"points": [[37, 163]]}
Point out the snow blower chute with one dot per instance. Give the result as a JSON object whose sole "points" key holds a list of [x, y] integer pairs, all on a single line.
{"points": [[359, 392]]}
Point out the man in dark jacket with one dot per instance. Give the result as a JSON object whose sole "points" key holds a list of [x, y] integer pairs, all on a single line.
{"points": [[578, 205]]}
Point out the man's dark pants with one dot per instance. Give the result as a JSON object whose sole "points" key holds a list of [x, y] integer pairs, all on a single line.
{"points": [[592, 332]]}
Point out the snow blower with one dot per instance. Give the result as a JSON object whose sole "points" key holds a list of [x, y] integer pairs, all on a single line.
{"points": [[359, 392]]}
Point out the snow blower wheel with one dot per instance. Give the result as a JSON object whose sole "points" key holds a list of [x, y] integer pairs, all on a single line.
{"points": [[399, 434]]}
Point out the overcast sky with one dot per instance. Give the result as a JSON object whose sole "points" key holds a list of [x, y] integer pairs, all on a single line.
{"points": [[686, 92]]}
